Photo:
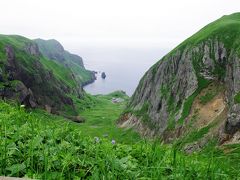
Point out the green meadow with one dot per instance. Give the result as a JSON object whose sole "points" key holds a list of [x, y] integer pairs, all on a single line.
{"points": [[38, 145]]}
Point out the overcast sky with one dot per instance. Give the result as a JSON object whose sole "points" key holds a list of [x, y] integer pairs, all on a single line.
{"points": [[144, 23]]}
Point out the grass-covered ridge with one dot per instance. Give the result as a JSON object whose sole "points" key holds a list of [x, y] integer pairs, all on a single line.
{"points": [[53, 50], [229, 25], [38, 145], [61, 73]]}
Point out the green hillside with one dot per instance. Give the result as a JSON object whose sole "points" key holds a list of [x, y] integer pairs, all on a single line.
{"points": [[225, 29], [53, 50], [62, 73], [25, 72]]}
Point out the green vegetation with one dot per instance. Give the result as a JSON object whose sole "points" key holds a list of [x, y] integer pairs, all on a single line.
{"points": [[164, 91], [101, 119], [207, 97], [220, 71], [210, 92], [38, 145], [202, 83], [171, 123], [142, 114], [195, 135], [50, 81], [53, 50], [15, 40], [170, 103], [83, 103], [18, 43], [60, 72], [118, 94], [237, 98], [227, 25], [81, 73]]}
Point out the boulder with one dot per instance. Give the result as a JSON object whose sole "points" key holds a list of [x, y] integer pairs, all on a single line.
{"points": [[48, 108], [25, 95]]}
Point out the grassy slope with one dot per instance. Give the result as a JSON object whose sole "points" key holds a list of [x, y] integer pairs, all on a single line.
{"points": [[61, 73], [81, 74], [62, 76], [18, 43], [15, 40], [225, 29], [48, 47], [38, 145]]}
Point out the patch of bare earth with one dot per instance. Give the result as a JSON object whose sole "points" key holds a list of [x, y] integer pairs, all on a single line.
{"points": [[202, 114], [212, 113]]}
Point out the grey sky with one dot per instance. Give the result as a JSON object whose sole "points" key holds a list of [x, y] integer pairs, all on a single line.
{"points": [[144, 23]]}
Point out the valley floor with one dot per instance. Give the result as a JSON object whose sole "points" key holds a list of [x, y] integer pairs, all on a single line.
{"points": [[101, 121], [38, 145]]}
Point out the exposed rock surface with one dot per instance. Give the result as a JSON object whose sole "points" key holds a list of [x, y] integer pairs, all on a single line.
{"points": [[166, 92], [24, 77], [32, 48], [130, 121]]}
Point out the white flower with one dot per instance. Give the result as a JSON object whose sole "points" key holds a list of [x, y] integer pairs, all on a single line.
{"points": [[97, 139], [22, 106], [113, 141]]}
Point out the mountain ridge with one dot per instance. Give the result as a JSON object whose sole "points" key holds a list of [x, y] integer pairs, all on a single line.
{"points": [[53, 50], [163, 99], [34, 80]]}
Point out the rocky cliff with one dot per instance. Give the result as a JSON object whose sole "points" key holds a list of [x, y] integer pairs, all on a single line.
{"points": [[32, 79], [53, 50], [196, 87]]}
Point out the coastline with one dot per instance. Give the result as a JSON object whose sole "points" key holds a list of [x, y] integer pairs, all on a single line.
{"points": [[91, 80]]}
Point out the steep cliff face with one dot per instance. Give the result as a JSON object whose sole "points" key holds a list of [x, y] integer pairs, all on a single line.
{"points": [[33, 80], [53, 50], [169, 98]]}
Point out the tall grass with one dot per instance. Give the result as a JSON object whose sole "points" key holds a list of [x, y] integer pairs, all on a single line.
{"points": [[41, 146]]}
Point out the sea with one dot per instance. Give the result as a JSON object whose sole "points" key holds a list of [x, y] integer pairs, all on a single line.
{"points": [[124, 67]]}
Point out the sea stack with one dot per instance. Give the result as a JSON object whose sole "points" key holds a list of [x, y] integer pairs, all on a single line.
{"points": [[103, 75]]}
